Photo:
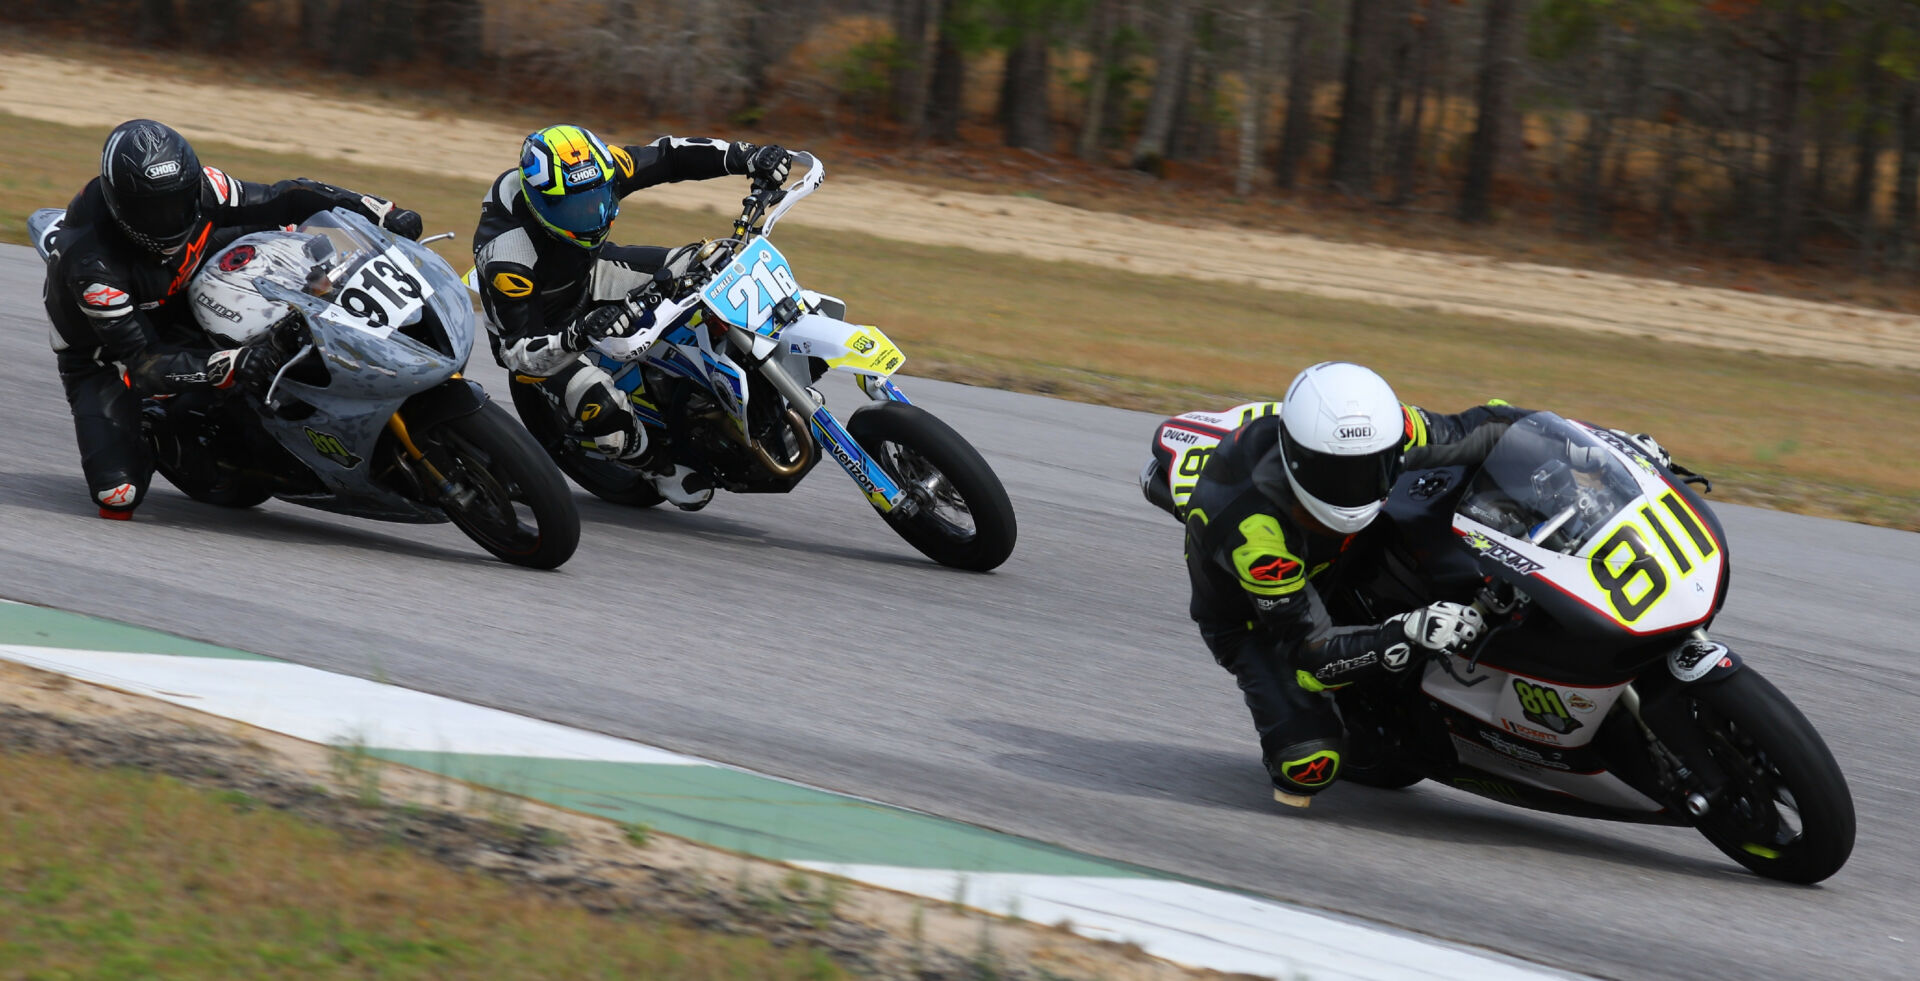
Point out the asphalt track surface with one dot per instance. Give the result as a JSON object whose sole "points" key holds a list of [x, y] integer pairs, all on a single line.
{"points": [[1065, 696]]}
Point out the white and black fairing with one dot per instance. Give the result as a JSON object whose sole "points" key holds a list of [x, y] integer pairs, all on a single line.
{"points": [[1612, 565]]}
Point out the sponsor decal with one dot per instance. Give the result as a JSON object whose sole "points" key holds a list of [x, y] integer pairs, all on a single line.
{"points": [[1396, 657], [623, 160], [120, 496], [216, 308], [1356, 431], [1726, 662], [1692, 661], [1525, 754], [1344, 665], [849, 462], [1317, 770], [330, 446], [1273, 568], [892, 363], [1580, 703], [190, 259], [1479, 542], [165, 168], [1169, 434], [1530, 732], [236, 258], [590, 412], [1542, 706], [222, 186], [512, 284], [102, 295], [585, 173], [863, 343]]}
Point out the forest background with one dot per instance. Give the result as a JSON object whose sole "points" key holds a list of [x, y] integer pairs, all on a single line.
{"points": [[1787, 130]]}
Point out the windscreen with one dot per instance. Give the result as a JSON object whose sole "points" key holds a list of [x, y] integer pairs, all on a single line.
{"points": [[357, 270], [1550, 482]]}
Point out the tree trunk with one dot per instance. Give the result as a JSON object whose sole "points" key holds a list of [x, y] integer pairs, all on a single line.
{"points": [[353, 44], [1195, 130], [156, 23], [1297, 130], [396, 33], [1028, 119], [1873, 92], [457, 34], [1666, 210], [948, 84], [1594, 147], [1352, 170], [1496, 74], [1787, 146], [1253, 97], [909, 80], [1093, 121], [1419, 67], [1169, 77], [1906, 185]]}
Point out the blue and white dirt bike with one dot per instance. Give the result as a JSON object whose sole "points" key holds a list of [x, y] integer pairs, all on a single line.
{"points": [[727, 388]]}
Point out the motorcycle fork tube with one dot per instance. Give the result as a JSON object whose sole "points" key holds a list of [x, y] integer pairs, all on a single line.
{"points": [[398, 427], [788, 388], [1691, 782]]}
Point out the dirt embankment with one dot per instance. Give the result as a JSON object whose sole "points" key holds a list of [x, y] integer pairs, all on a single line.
{"points": [[89, 94], [567, 856]]}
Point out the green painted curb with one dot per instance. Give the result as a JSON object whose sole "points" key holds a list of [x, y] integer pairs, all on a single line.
{"points": [[38, 626]]}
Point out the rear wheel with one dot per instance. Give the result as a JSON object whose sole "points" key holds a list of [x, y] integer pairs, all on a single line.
{"points": [[963, 518], [603, 479], [1786, 812], [512, 502]]}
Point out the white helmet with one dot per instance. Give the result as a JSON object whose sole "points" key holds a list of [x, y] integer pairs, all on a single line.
{"points": [[1341, 433]]}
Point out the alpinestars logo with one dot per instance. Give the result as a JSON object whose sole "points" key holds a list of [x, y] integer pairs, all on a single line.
{"points": [[1273, 568], [1328, 672]]}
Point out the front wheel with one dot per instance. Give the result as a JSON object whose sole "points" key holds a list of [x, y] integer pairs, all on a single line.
{"points": [[509, 498], [963, 518], [1786, 812]]}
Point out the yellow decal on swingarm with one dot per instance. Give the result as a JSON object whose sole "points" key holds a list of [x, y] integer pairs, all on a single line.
{"points": [[869, 349]]}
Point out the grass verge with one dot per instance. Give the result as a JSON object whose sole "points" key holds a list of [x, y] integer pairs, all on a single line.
{"points": [[123, 873], [1794, 434]]}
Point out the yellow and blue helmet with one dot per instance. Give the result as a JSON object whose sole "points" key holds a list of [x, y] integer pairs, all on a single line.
{"points": [[566, 175]]}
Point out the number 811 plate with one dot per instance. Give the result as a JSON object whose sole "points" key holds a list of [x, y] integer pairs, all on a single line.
{"points": [[744, 294]]}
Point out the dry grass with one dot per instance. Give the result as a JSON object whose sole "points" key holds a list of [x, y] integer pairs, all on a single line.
{"points": [[1795, 434], [120, 873]]}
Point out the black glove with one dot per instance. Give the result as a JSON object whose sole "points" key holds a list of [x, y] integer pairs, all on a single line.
{"points": [[249, 368], [768, 163], [608, 320], [402, 221]]}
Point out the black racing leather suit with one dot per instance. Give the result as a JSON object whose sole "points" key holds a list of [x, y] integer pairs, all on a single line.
{"points": [[1254, 558], [534, 284], [117, 307]]}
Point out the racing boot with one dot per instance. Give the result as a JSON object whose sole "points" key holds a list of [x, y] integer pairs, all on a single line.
{"points": [[1303, 769], [683, 487]]}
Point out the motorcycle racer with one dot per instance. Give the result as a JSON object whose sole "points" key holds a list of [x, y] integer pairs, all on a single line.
{"points": [[120, 262], [549, 281], [1278, 504]]}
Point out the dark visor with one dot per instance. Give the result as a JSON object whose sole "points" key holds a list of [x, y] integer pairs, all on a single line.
{"points": [[163, 217], [585, 214], [1342, 481]]}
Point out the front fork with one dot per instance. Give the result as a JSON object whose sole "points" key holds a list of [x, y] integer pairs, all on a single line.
{"points": [[1683, 762], [881, 491]]}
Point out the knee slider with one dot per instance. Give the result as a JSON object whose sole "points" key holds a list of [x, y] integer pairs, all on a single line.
{"points": [[1306, 767]]}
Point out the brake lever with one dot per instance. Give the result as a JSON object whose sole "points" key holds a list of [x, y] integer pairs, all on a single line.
{"points": [[266, 400]]}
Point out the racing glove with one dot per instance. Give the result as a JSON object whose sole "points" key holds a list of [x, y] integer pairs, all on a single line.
{"points": [[1442, 626], [250, 368], [1647, 445], [399, 221], [607, 320], [769, 163]]}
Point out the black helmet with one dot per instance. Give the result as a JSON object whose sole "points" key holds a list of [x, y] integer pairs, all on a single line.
{"points": [[151, 178]]}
